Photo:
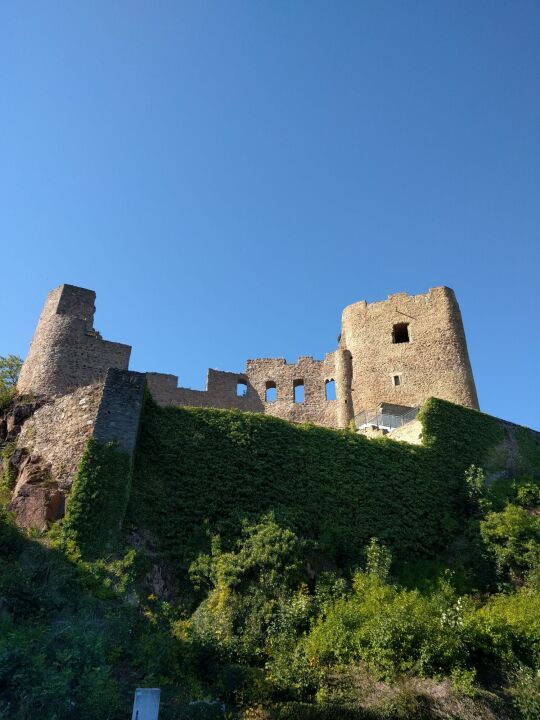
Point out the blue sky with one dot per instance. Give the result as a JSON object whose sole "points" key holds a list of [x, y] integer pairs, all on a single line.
{"points": [[229, 175]]}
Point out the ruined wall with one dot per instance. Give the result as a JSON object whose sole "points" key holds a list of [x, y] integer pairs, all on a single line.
{"points": [[66, 352], [52, 434], [312, 374], [368, 367], [261, 375], [119, 412], [433, 362], [57, 431]]}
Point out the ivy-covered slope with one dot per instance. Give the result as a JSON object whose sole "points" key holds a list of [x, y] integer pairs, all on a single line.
{"points": [[202, 470]]}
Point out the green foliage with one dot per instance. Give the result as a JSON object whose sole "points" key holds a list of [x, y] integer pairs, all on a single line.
{"points": [[7, 476], [52, 642], [264, 521], [265, 555], [200, 470], [256, 601], [74, 641], [507, 628], [10, 367], [513, 536], [528, 494], [477, 492], [98, 499], [529, 452], [464, 681], [305, 711], [392, 629], [526, 693], [378, 560]]}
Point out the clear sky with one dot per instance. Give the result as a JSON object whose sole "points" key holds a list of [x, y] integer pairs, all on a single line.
{"points": [[229, 175]]}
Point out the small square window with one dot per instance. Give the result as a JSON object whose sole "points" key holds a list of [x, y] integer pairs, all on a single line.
{"points": [[241, 388], [397, 380], [400, 333]]}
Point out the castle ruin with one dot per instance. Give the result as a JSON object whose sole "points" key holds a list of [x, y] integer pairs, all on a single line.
{"points": [[397, 352], [74, 385]]}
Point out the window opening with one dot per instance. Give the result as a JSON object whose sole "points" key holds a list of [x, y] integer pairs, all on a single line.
{"points": [[241, 388], [298, 391], [397, 380], [330, 390], [400, 333], [271, 391]]}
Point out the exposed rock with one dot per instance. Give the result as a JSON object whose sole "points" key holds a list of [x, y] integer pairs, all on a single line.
{"points": [[37, 501], [15, 418], [157, 582], [36, 506]]}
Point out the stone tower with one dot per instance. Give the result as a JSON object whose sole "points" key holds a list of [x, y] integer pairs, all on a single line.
{"points": [[399, 352], [406, 349], [66, 352]]}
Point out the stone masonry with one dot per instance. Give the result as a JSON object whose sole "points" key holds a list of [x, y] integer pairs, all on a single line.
{"points": [[401, 351], [74, 385], [66, 352]]}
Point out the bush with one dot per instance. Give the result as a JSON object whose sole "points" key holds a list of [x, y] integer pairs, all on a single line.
{"points": [[526, 693], [513, 537], [393, 630]]}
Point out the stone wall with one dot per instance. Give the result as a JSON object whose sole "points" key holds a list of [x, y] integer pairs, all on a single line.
{"points": [[434, 362], [66, 352], [58, 431], [369, 367], [119, 412], [260, 376], [52, 435]]}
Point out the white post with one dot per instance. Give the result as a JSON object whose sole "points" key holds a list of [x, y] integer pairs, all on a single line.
{"points": [[146, 704]]}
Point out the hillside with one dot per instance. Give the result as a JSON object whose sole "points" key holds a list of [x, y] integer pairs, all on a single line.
{"points": [[270, 570]]}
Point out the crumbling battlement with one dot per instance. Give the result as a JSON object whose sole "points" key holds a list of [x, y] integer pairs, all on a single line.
{"points": [[66, 352], [267, 385], [401, 350]]}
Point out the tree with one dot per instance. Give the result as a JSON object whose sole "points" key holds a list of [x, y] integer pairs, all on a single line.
{"points": [[10, 367]]}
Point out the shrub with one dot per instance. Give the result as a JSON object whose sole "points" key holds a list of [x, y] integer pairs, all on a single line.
{"points": [[513, 537], [526, 693], [393, 630]]}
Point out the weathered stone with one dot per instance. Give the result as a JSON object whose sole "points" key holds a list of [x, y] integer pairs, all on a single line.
{"points": [[399, 351], [66, 352], [36, 500], [36, 506], [402, 351]]}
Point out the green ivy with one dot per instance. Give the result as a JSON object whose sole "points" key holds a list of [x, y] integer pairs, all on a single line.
{"points": [[98, 499], [204, 470]]}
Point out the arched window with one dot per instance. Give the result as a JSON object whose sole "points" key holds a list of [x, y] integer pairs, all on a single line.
{"points": [[298, 391], [400, 333], [241, 388], [271, 391], [330, 390]]}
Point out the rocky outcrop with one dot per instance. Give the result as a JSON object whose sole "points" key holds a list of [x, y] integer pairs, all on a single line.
{"points": [[14, 417], [37, 500], [45, 439]]}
